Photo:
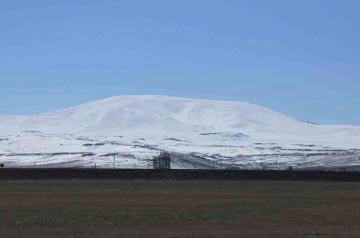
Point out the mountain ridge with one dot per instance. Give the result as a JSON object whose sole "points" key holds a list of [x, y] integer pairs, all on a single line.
{"points": [[156, 114]]}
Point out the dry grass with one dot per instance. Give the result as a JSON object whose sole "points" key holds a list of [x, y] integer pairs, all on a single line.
{"points": [[178, 209]]}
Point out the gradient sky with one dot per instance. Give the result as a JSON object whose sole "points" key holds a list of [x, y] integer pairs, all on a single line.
{"points": [[300, 58]]}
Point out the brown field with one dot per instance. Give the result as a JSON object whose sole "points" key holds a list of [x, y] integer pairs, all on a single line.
{"points": [[178, 209]]}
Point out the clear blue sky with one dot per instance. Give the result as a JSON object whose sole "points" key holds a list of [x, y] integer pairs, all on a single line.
{"points": [[300, 58]]}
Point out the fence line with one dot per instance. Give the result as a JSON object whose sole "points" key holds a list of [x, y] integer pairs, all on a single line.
{"points": [[140, 166], [176, 174]]}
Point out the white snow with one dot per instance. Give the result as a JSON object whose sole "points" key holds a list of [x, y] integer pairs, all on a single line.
{"points": [[139, 125]]}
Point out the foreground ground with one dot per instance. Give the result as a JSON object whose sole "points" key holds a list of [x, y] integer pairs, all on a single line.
{"points": [[178, 209]]}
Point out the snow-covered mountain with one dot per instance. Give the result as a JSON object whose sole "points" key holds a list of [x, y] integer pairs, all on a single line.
{"points": [[206, 132]]}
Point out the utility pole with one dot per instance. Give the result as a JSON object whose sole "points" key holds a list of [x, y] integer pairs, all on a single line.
{"points": [[114, 161]]}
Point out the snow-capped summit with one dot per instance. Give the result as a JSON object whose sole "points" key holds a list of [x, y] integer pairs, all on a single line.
{"points": [[162, 114], [126, 114]]}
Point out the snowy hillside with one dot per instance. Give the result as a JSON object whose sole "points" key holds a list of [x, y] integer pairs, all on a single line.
{"points": [[201, 132]]}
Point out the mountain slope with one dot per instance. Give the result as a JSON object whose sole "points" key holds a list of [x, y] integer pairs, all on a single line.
{"points": [[139, 126]]}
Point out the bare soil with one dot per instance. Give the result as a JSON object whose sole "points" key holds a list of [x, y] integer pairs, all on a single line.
{"points": [[178, 209]]}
